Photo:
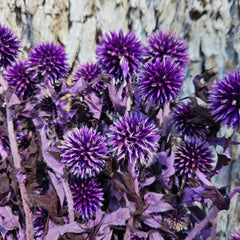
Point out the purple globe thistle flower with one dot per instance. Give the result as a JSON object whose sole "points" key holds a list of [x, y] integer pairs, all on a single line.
{"points": [[84, 152], [186, 121], [48, 62], [177, 219], [135, 137], [89, 72], [224, 100], [120, 55], [236, 234], [193, 155], [19, 77], [161, 82], [87, 197], [168, 45], [9, 46], [39, 222]]}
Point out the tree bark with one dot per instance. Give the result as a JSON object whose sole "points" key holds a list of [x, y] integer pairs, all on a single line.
{"points": [[210, 27]]}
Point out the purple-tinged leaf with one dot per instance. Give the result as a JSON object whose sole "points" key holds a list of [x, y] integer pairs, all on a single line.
{"points": [[155, 236], [59, 230], [148, 181], [220, 201], [49, 158], [153, 223], [94, 103], [57, 183], [116, 95], [193, 194], [155, 203], [223, 160]]}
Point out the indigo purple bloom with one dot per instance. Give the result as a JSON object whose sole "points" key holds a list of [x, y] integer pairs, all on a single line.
{"points": [[84, 152], [39, 222], [177, 219], [161, 82], [89, 72], [19, 77], [236, 234], [87, 197], [193, 155], [168, 45], [134, 137], [48, 62], [9, 46], [120, 55], [186, 121], [224, 100]]}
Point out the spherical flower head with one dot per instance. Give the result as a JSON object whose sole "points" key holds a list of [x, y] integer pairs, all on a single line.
{"points": [[168, 45], [84, 152], [134, 137], [184, 119], [161, 82], [18, 76], [9, 47], [120, 55], [236, 234], [89, 72], [224, 100], [39, 222], [87, 197], [193, 155], [48, 62], [177, 219]]}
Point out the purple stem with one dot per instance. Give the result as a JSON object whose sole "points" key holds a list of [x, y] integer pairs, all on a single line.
{"points": [[17, 164]]}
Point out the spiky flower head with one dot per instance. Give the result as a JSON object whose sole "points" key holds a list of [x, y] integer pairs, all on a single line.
{"points": [[187, 123], [89, 72], [134, 137], [120, 55], [84, 152], [48, 62], [18, 76], [87, 197], [161, 82], [9, 46], [224, 100], [236, 234], [168, 45], [177, 219], [39, 222], [194, 154]]}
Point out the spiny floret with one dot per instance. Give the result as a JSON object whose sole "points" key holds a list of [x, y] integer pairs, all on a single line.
{"points": [[161, 82], [194, 154], [18, 76], [120, 55], [9, 47], [187, 123], [87, 197], [39, 222], [236, 234], [224, 100], [168, 45], [48, 62], [83, 152], [135, 137]]}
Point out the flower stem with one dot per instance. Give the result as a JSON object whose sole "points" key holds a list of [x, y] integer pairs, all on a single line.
{"points": [[69, 200], [17, 164]]}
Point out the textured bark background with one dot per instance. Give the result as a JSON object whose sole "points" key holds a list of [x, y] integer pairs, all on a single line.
{"points": [[212, 28]]}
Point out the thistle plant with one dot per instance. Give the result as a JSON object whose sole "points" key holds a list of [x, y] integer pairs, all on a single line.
{"points": [[93, 159]]}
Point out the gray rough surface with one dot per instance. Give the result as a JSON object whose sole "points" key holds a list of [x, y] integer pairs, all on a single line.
{"points": [[212, 29]]}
